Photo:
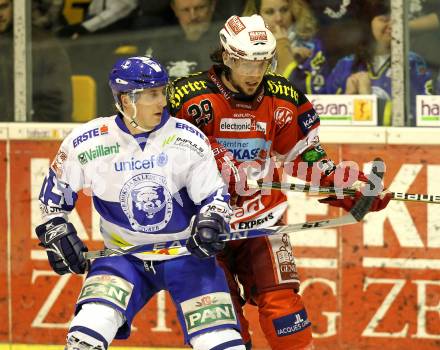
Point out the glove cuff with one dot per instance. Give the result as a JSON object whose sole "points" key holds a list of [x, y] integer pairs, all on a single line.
{"points": [[53, 231], [40, 230]]}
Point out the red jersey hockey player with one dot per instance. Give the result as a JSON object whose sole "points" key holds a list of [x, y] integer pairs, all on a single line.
{"points": [[250, 116]]}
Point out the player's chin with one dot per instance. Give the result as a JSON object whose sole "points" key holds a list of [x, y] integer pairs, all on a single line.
{"points": [[154, 118], [157, 116], [250, 89]]}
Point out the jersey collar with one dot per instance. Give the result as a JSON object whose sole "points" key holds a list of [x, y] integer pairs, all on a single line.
{"points": [[142, 137]]}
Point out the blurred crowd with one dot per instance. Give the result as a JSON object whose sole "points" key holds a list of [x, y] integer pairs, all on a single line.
{"points": [[323, 46]]}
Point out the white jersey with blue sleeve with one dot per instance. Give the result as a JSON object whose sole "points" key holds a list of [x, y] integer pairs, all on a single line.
{"points": [[146, 188]]}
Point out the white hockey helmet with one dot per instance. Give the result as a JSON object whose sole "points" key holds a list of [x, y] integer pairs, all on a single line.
{"points": [[248, 38]]}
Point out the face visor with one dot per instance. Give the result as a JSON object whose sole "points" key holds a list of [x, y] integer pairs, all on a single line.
{"points": [[249, 67], [149, 96], [144, 97]]}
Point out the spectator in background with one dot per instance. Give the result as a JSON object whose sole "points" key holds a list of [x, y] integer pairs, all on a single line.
{"points": [[47, 14], [424, 28], [185, 49], [153, 14], [368, 70], [226, 8], [339, 27], [194, 16], [424, 15], [182, 41], [51, 74], [300, 54], [102, 15]]}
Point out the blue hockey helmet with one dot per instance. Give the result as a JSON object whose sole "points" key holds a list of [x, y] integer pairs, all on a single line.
{"points": [[135, 74]]}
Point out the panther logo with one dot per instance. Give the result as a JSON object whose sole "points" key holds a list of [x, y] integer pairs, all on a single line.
{"points": [[149, 199], [147, 202]]}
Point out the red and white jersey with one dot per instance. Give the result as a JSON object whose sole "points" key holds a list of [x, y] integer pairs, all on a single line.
{"points": [[278, 123]]}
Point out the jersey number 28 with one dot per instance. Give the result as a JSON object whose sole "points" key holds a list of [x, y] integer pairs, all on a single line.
{"points": [[202, 113]]}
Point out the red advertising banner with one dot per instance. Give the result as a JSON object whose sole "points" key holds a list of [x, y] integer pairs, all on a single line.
{"points": [[390, 276], [367, 286]]}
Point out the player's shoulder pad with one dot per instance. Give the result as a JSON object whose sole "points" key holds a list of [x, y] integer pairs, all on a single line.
{"points": [[188, 136], [184, 88], [90, 130], [278, 86], [184, 127]]}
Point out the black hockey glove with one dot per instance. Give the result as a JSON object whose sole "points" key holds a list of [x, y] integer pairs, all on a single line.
{"points": [[63, 246], [70, 30], [204, 241]]}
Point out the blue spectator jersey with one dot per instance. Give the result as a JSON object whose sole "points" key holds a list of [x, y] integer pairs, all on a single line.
{"points": [[420, 80], [309, 76]]}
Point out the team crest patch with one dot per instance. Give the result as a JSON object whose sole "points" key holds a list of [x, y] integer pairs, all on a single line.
{"points": [[146, 202], [283, 116]]}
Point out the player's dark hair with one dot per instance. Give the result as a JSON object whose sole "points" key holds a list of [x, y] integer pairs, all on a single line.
{"points": [[258, 5], [217, 55], [363, 53]]}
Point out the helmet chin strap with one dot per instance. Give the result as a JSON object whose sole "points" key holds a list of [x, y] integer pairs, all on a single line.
{"points": [[133, 118]]}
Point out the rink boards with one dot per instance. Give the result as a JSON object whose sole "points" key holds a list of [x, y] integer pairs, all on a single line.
{"points": [[372, 285]]}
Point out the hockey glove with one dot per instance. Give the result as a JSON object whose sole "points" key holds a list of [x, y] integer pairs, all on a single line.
{"points": [[204, 241], [233, 175], [63, 246], [70, 30], [344, 177], [379, 203]]}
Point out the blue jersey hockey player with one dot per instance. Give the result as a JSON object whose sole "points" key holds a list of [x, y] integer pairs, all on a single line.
{"points": [[149, 174]]}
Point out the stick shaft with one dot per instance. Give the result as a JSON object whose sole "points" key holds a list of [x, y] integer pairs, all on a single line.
{"points": [[398, 196], [173, 247], [356, 214]]}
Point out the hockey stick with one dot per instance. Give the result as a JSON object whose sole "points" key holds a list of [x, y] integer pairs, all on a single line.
{"points": [[356, 214], [398, 196]]}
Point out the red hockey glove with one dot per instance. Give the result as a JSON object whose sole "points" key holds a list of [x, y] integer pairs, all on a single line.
{"points": [[233, 175], [379, 203], [343, 175], [325, 173]]}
